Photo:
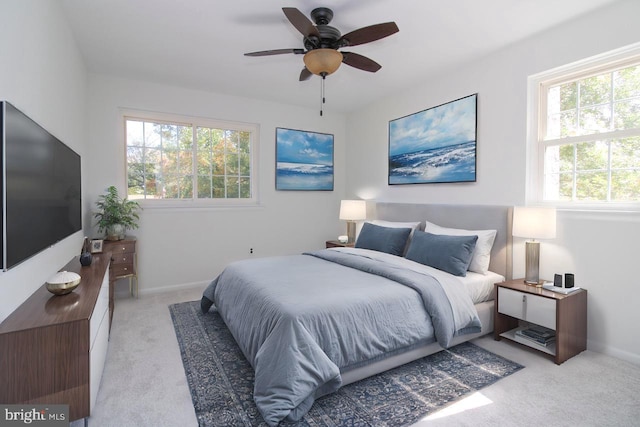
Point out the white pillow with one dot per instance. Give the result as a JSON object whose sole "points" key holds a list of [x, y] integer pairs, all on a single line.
{"points": [[393, 224], [482, 252]]}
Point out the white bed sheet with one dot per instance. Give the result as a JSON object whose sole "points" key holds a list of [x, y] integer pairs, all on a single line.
{"points": [[479, 286]]}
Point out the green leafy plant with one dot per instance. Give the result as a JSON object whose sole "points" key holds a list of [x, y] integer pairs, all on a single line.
{"points": [[114, 210]]}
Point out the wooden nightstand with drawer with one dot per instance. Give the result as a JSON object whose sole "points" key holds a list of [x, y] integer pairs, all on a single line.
{"points": [[517, 302], [123, 261], [337, 244]]}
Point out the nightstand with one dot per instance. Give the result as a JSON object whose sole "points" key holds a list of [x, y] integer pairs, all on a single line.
{"points": [[518, 302], [337, 244], [123, 261]]}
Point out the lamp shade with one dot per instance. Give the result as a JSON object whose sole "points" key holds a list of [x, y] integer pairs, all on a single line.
{"points": [[322, 61], [534, 222], [353, 210]]}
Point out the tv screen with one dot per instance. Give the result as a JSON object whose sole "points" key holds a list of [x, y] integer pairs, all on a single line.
{"points": [[42, 200]]}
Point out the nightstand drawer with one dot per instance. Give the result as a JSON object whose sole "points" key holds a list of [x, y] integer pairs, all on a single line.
{"points": [[120, 270], [122, 246], [122, 258], [124, 261], [528, 307]]}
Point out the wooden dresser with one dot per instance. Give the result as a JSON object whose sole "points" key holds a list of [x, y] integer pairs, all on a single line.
{"points": [[53, 348], [123, 263]]}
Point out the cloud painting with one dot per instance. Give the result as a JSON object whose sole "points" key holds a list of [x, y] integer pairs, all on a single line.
{"points": [[304, 160], [434, 145]]}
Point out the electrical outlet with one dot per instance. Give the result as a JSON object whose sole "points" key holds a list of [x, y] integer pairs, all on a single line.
{"points": [[251, 250]]}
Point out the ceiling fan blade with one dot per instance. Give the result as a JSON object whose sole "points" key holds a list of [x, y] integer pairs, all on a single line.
{"points": [[274, 52], [301, 22], [360, 62], [369, 34], [305, 74]]}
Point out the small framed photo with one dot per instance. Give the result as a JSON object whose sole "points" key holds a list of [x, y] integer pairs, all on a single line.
{"points": [[96, 246]]}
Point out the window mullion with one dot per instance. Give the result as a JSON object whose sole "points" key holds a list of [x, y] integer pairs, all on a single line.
{"points": [[162, 174], [238, 163], [194, 162], [574, 190], [144, 162], [609, 174], [226, 153]]}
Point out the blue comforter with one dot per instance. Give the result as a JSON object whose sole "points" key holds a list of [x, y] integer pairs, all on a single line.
{"points": [[301, 320]]}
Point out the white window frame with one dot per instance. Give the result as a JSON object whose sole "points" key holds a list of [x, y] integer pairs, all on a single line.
{"points": [[536, 129], [252, 128]]}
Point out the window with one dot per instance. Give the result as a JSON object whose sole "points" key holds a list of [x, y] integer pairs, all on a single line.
{"points": [[184, 159], [587, 142]]}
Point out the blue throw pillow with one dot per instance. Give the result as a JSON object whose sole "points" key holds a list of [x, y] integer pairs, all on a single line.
{"points": [[383, 239], [448, 253]]}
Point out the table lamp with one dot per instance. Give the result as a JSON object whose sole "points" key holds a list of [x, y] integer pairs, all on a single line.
{"points": [[533, 223], [352, 211]]}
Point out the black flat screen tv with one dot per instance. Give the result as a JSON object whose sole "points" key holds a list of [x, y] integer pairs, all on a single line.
{"points": [[41, 188]]}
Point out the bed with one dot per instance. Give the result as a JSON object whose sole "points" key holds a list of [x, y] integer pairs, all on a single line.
{"points": [[313, 322]]}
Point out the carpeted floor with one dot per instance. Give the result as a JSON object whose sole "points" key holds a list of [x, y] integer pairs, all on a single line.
{"points": [[221, 380]]}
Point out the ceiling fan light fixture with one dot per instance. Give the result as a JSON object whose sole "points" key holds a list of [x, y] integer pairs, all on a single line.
{"points": [[322, 62]]}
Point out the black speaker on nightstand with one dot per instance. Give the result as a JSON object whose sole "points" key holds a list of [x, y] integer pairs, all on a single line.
{"points": [[568, 280], [557, 280]]}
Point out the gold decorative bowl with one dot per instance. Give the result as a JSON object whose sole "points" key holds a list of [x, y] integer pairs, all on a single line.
{"points": [[63, 282]]}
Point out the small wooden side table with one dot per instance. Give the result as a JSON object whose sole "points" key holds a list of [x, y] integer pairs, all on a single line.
{"points": [[337, 244], [124, 261], [566, 314]]}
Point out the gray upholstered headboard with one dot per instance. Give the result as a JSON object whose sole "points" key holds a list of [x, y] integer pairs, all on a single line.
{"points": [[470, 217]]}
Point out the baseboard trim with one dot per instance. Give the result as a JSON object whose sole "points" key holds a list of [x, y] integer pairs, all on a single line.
{"points": [[614, 352], [202, 285]]}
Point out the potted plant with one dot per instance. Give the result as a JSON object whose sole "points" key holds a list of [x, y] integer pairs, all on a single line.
{"points": [[116, 215]]}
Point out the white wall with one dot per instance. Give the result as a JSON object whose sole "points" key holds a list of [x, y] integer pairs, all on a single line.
{"points": [[598, 247], [187, 247], [43, 75]]}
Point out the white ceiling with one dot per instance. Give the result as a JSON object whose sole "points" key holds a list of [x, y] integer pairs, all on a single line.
{"points": [[199, 44]]}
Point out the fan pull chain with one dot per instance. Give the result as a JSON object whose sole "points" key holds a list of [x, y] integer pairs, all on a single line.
{"points": [[322, 93], [322, 99]]}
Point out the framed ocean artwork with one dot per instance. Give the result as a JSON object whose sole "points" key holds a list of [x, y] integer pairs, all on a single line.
{"points": [[435, 145], [304, 160]]}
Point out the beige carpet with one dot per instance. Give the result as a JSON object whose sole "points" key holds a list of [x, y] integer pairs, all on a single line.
{"points": [[144, 382]]}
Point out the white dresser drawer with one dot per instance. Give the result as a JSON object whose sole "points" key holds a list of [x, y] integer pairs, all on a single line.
{"points": [[97, 358], [541, 311], [511, 303], [531, 308], [99, 327], [101, 307]]}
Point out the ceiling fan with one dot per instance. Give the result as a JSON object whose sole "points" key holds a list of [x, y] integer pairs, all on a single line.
{"points": [[322, 41]]}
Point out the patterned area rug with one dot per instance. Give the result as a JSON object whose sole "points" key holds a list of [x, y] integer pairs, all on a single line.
{"points": [[221, 380]]}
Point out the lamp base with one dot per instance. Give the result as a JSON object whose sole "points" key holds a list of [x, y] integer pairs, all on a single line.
{"points": [[532, 264], [534, 284], [351, 232]]}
